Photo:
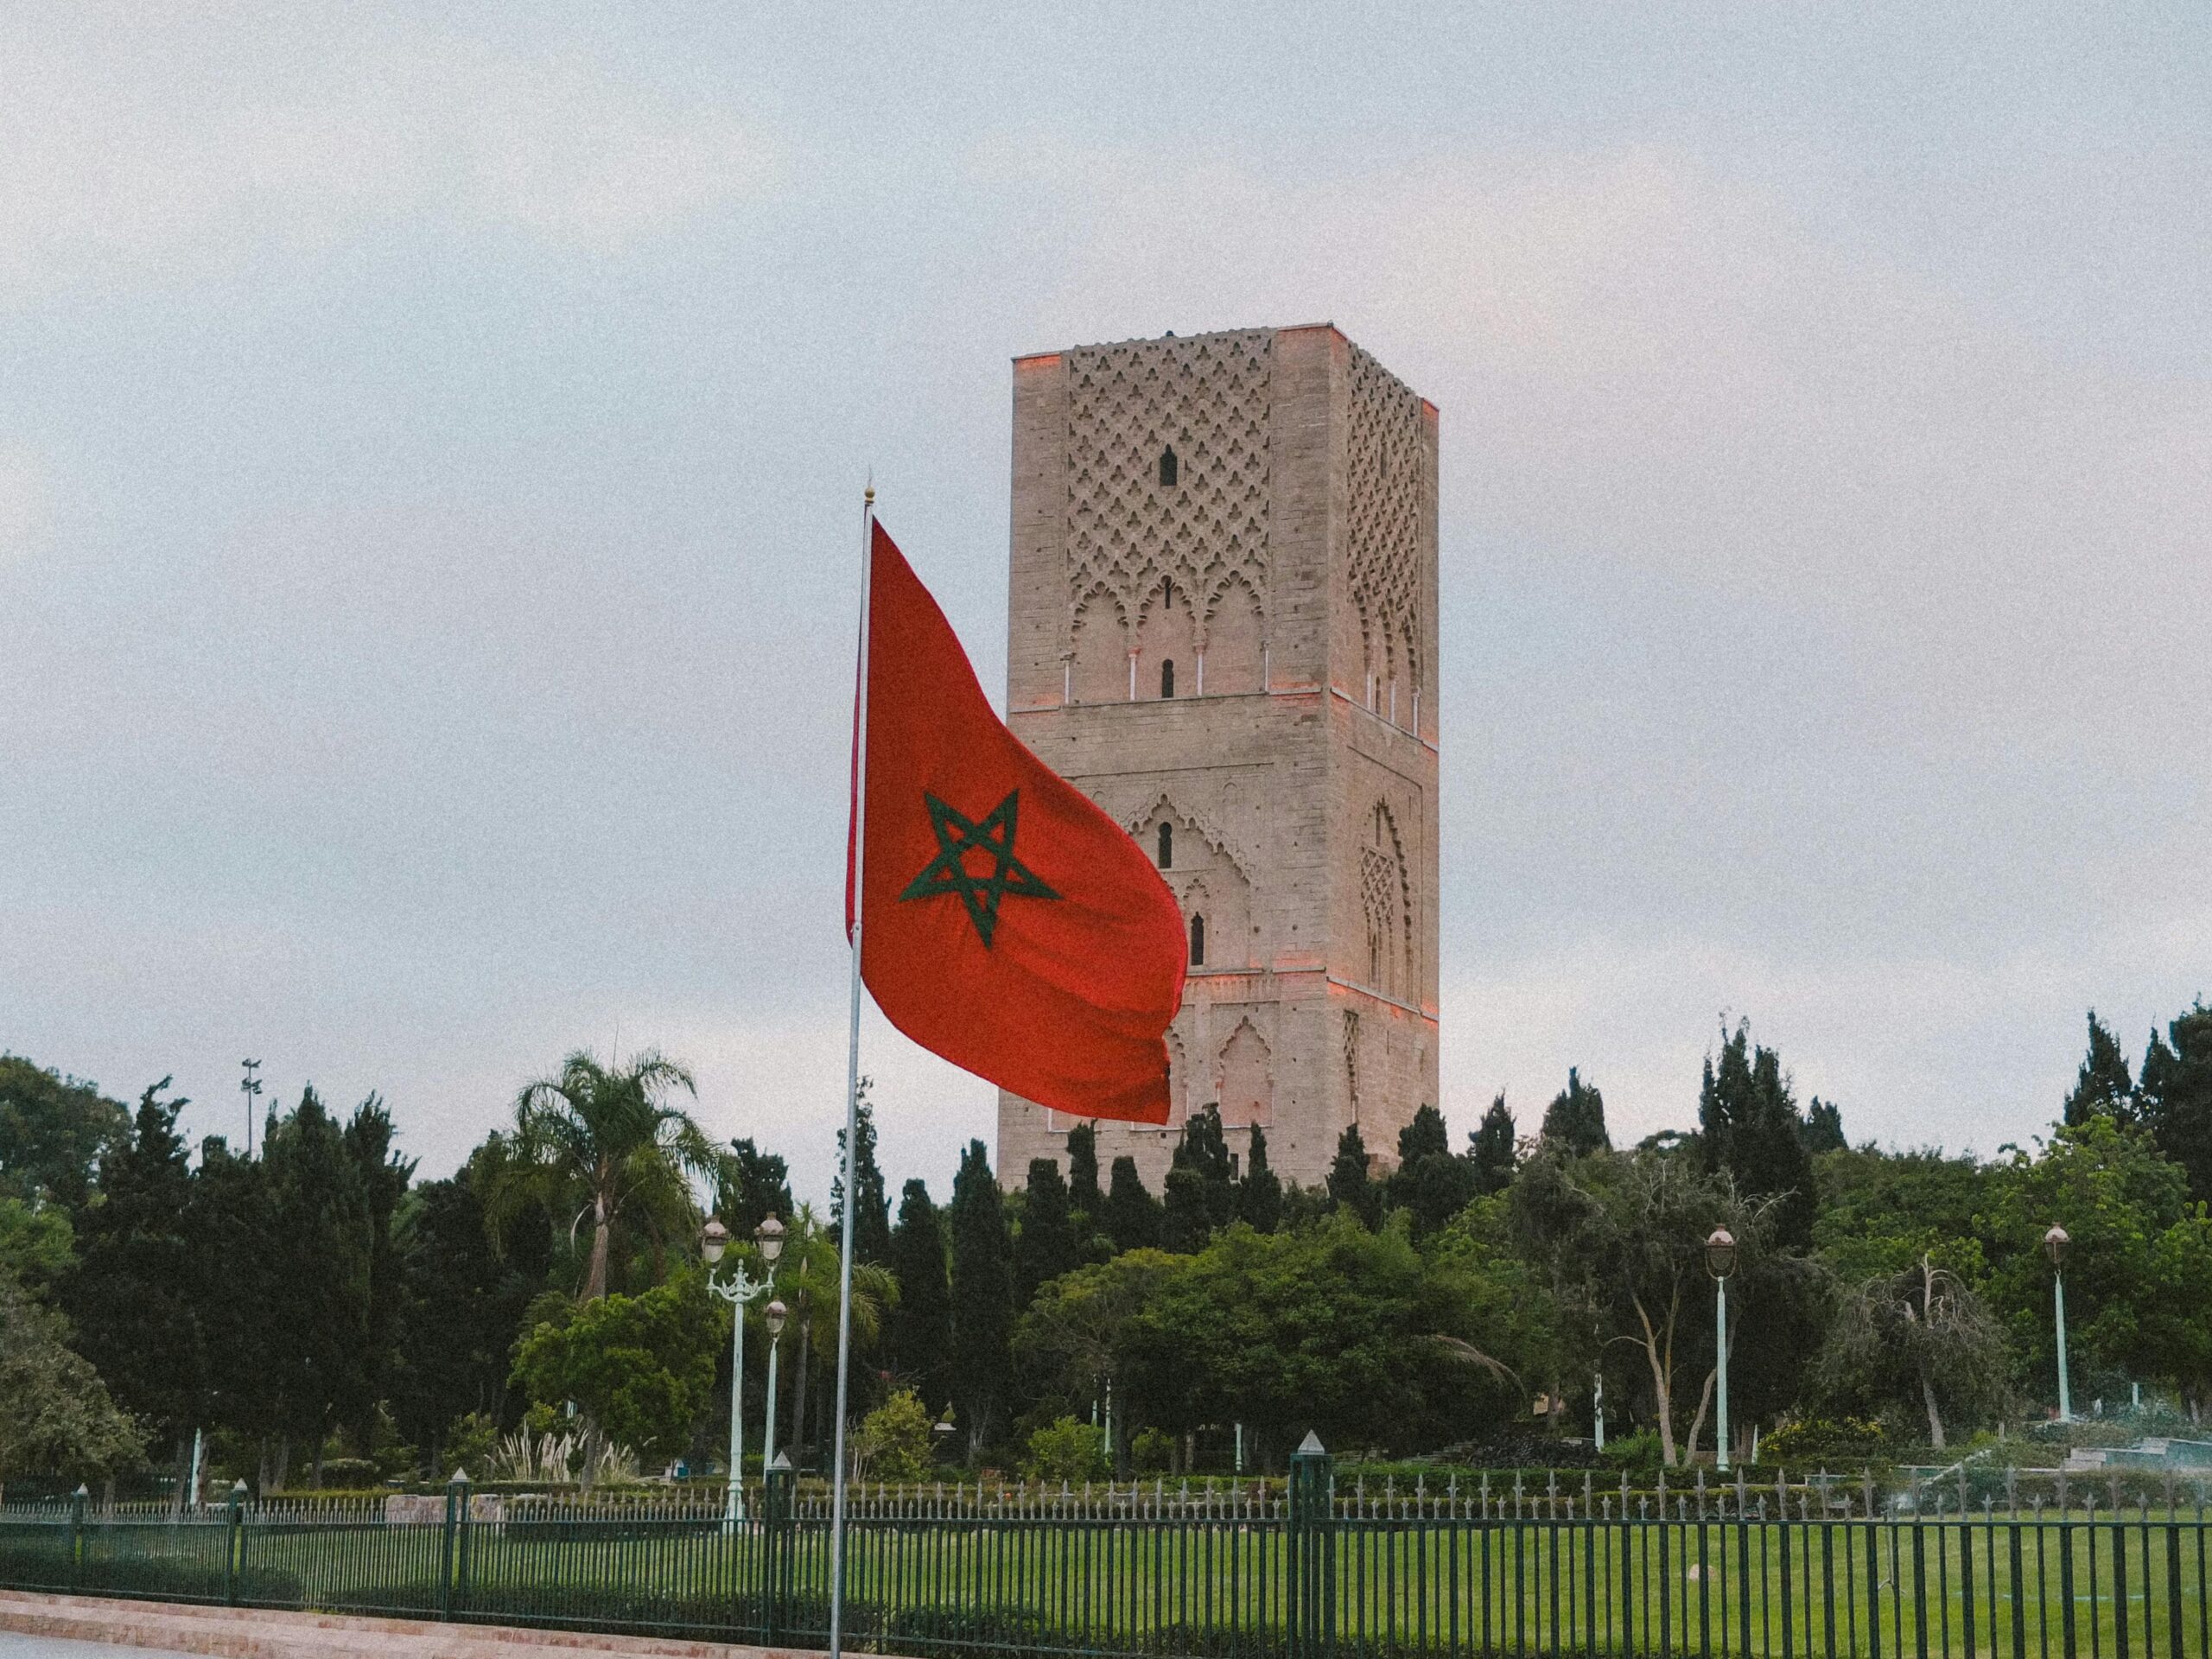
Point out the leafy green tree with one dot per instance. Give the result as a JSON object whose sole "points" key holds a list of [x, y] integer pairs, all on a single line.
{"points": [[2115, 1194], [2102, 1087], [1493, 1150], [1045, 1247], [1881, 1211], [921, 1323], [1918, 1343], [641, 1369], [1823, 1128], [2178, 1330], [1749, 1126], [1335, 1329], [56, 1417], [37, 1245], [53, 1131], [1643, 1230], [1133, 1218], [1200, 1195], [983, 1297], [1076, 1342], [892, 1443], [750, 1186], [1429, 1183], [1259, 1189], [1351, 1189], [607, 1136], [1575, 1121], [872, 1236], [1066, 1449], [132, 1297], [2176, 1088]]}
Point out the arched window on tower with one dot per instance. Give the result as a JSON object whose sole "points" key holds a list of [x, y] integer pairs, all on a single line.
{"points": [[1198, 941], [1167, 678], [1166, 846], [1168, 469]]}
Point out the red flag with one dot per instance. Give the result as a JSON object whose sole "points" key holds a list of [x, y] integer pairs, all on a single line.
{"points": [[1011, 925]]}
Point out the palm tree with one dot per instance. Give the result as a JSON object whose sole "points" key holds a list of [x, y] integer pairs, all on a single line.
{"points": [[608, 1135], [808, 1280]]}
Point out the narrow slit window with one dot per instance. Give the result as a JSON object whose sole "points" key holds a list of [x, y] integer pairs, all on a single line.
{"points": [[1198, 941], [1167, 678], [1169, 468], [1166, 846]]}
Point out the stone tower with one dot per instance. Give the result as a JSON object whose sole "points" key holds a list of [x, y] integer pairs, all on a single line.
{"points": [[1223, 628]]}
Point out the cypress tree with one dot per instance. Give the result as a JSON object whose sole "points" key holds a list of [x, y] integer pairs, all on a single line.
{"points": [[136, 1317], [384, 1177], [2102, 1087], [1350, 1186], [983, 1297], [1200, 1197], [1132, 1218], [1749, 1126], [1823, 1127], [2177, 1095], [920, 1323], [1493, 1150], [319, 1226], [457, 1317], [1045, 1247], [1574, 1123], [871, 1222], [1259, 1193], [1084, 1195], [754, 1186], [1429, 1183]]}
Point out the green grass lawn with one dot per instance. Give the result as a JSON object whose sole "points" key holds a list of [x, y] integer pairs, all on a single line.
{"points": [[2126, 1590]]}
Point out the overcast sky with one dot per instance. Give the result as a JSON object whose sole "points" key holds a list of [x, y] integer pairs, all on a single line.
{"points": [[431, 441]]}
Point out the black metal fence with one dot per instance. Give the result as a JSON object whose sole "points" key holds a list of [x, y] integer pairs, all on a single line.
{"points": [[1815, 1568]]}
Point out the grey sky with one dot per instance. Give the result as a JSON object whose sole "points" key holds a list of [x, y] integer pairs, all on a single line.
{"points": [[430, 444]]}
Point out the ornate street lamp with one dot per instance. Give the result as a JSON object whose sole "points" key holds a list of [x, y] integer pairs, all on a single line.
{"points": [[2054, 1246], [773, 1315], [1720, 1261], [739, 1290]]}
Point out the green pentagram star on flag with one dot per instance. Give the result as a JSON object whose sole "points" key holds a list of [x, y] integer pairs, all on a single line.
{"points": [[957, 836]]}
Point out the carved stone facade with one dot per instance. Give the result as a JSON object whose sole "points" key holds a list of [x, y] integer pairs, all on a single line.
{"points": [[1223, 628]]}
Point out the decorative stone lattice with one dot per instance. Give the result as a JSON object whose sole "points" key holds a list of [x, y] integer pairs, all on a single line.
{"points": [[1206, 398], [1384, 457]]}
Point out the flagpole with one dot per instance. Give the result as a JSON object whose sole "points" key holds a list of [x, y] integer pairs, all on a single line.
{"points": [[852, 1095]]}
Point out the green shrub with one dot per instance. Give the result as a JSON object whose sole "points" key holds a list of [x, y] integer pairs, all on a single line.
{"points": [[893, 1443], [1857, 1438], [1066, 1449], [1152, 1451], [1641, 1450]]}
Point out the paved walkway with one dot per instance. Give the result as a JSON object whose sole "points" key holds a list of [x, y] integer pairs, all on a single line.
{"points": [[78, 1627], [15, 1645]]}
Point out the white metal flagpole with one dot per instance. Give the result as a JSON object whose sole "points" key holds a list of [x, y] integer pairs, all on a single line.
{"points": [[852, 1095]]}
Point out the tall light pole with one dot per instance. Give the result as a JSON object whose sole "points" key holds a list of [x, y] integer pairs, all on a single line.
{"points": [[249, 1086], [1720, 1261], [772, 1316], [2054, 1246], [739, 1291]]}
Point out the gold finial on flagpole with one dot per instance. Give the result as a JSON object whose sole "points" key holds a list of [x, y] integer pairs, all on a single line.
{"points": [[868, 494]]}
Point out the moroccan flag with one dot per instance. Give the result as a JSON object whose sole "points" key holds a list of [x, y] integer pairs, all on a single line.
{"points": [[1009, 924]]}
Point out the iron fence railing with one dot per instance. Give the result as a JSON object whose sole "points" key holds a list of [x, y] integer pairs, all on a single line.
{"points": [[1805, 1569]]}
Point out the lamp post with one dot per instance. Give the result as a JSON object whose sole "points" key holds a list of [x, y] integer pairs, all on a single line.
{"points": [[739, 1290], [772, 1316], [1720, 1261], [2054, 1246]]}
